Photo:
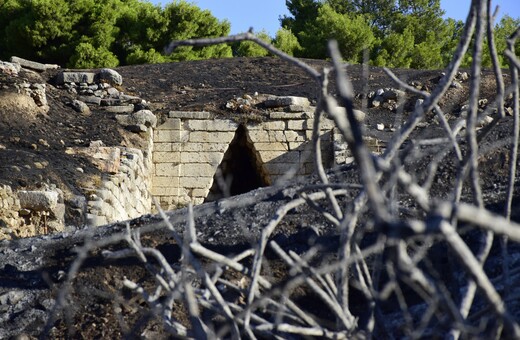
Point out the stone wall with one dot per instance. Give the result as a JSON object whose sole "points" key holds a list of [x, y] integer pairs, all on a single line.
{"points": [[124, 194], [191, 150]]}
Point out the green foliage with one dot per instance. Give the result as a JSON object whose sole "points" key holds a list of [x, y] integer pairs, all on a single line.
{"points": [[252, 49], [145, 57], [287, 42], [503, 31], [87, 56], [187, 21], [352, 32], [92, 33], [396, 50]]}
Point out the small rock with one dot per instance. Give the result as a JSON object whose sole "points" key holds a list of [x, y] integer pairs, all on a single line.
{"points": [[456, 85], [80, 170], [96, 143], [380, 92], [380, 127], [80, 106], [110, 76], [509, 111], [43, 142]]}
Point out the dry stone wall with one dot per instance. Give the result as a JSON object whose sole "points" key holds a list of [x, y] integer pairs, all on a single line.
{"points": [[124, 191]]}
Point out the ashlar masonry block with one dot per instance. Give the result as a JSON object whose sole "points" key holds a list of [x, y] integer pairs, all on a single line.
{"points": [[170, 124], [167, 169], [299, 124], [166, 157], [196, 182], [211, 125], [207, 147], [163, 181], [202, 157], [211, 137], [275, 146], [198, 170], [171, 136]]}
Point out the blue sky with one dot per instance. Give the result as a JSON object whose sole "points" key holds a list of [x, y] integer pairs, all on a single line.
{"points": [[264, 14]]}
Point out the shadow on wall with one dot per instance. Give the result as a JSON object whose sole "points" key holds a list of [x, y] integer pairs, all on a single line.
{"points": [[243, 168], [240, 171]]}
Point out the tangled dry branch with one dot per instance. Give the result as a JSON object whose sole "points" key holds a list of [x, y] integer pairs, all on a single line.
{"points": [[396, 264]]}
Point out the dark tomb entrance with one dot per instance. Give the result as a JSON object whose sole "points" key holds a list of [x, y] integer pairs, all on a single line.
{"points": [[240, 171]]}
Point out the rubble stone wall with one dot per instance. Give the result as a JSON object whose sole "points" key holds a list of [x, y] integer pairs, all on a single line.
{"points": [[124, 194]]}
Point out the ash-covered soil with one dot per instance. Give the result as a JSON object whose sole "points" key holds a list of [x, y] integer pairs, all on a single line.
{"points": [[99, 306]]}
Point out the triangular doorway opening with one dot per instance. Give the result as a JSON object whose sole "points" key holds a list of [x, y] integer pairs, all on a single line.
{"points": [[240, 170]]}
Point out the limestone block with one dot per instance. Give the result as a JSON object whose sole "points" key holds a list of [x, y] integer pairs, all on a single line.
{"points": [[165, 191], [202, 157], [75, 77], [296, 145], [295, 136], [169, 136], [275, 146], [276, 125], [327, 124], [288, 157], [142, 117], [120, 109], [259, 136], [190, 115], [166, 157], [281, 101], [167, 147], [212, 125], [277, 136], [198, 170], [281, 168], [195, 182], [164, 181], [200, 193], [80, 107], [170, 124], [290, 115], [211, 137], [167, 169], [38, 200], [207, 147], [299, 125], [197, 200], [268, 155], [110, 76], [90, 100]]}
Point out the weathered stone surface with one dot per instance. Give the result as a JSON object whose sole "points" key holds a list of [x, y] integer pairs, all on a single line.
{"points": [[121, 109], [80, 106], [90, 99], [170, 124], [110, 76], [190, 115], [198, 169], [11, 69], [211, 137], [75, 77], [30, 64], [38, 200], [212, 125], [143, 117], [281, 101]]}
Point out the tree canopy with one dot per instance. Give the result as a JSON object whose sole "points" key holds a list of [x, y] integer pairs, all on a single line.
{"points": [[90, 33]]}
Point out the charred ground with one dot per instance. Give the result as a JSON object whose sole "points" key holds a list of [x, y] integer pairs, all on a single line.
{"points": [[99, 305]]}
